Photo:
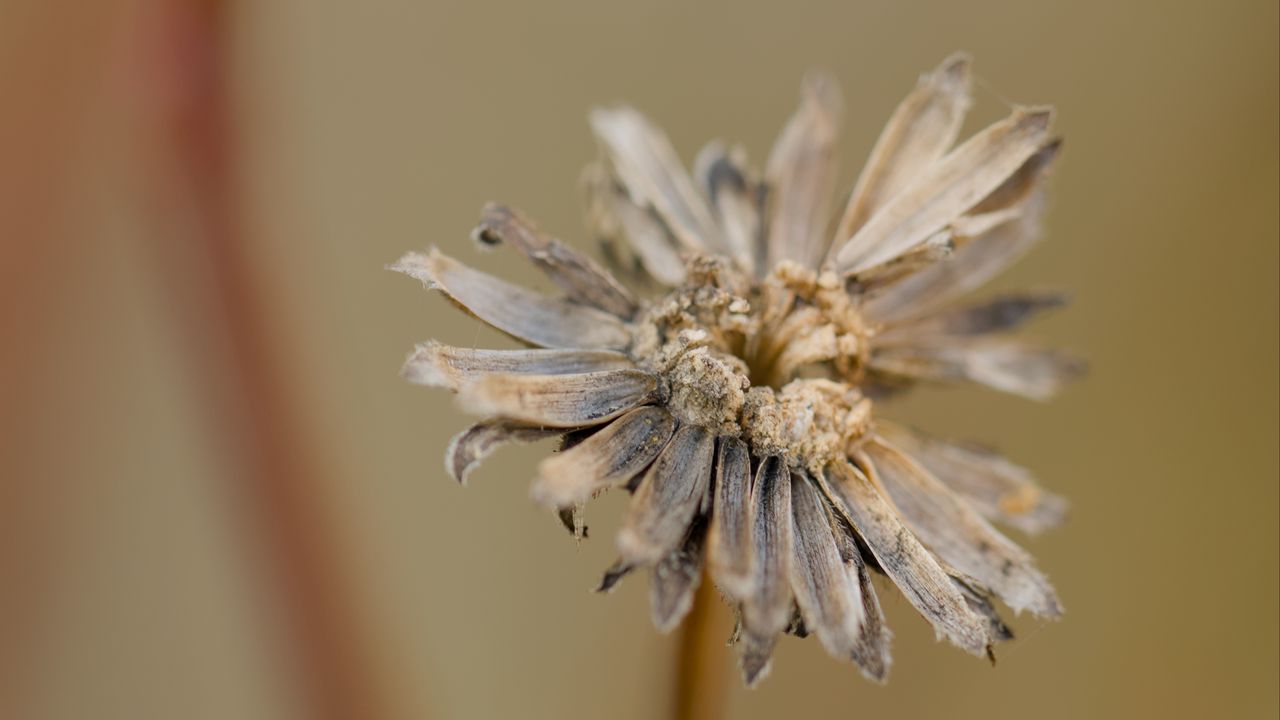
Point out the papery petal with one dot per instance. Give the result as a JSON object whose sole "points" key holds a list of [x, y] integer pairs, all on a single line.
{"points": [[675, 580], [999, 489], [767, 610], [801, 174], [829, 598], [516, 311], [947, 190], [1008, 365], [729, 541], [438, 365], [904, 559], [735, 201], [609, 458], [921, 130], [581, 278], [958, 535], [645, 163], [612, 214], [472, 445], [1001, 313], [668, 497], [564, 401]]}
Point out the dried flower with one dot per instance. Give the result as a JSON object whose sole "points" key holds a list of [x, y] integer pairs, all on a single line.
{"points": [[736, 405]]}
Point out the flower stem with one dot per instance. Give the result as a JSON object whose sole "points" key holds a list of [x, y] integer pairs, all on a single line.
{"points": [[700, 667]]}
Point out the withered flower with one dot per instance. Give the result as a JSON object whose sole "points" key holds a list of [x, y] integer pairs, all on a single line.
{"points": [[736, 403]]}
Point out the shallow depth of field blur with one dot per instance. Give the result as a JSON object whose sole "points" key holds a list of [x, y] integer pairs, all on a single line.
{"points": [[219, 500]]}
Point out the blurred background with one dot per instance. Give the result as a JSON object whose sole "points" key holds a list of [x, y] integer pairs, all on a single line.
{"points": [[219, 500]]}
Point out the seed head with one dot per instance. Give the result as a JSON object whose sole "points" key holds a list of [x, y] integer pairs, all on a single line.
{"points": [[733, 392]]}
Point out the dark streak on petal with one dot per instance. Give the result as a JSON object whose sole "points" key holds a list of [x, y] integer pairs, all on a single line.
{"points": [[668, 497], [472, 445], [582, 279], [560, 400], [675, 579]]}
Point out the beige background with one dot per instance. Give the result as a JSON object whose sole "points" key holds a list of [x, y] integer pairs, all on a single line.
{"points": [[136, 578]]}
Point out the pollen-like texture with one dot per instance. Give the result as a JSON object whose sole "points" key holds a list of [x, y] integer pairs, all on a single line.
{"points": [[732, 383]]}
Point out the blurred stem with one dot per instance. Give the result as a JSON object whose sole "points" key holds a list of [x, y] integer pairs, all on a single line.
{"points": [[700, 669]]}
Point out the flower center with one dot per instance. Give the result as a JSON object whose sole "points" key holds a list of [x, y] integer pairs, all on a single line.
{"points": [[776, 361]]}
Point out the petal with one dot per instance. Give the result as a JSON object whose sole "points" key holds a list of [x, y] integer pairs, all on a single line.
{"points": [[1018, 188], [735, 201], [921, 130], [472, 445], [828, 597], [574, 519], [516, 311], [439, 365], [729, 541], [668, 497], [613, 575], [645, 163], [975, 261], [756, 657], [938, 248], [608, 458], [675, 579], [578, 275], [559, 400], [871, 650], [911, 567], [1001, 313], [979, 600], [801, 175], [611, 213], [767, 610], [952, 186], [995, 487], [1007, 365], [958, 535]]}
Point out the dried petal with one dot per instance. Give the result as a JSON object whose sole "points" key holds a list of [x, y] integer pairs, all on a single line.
{"points": [[971, 266], [610, 213], [608, 458], [729, 544], [938, 248], [445, 366], [735, 201], [647, 166], [756, 656], [574, 519], [1018, 188], [1008, 365], [871, 651], [675, 579], [952, 186], [979, 600], [767, 610], [559, 400], [920, 131], [911, 567], [578, 275], [995, 487], [668, 497], [992, 315], [958, 535], [516, 311], [827, 595], [614, 575], [472, 445], [801, 175]]}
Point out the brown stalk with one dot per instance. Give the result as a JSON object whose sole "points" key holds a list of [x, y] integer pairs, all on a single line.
{"points": [[236, 348], [700, 682]]}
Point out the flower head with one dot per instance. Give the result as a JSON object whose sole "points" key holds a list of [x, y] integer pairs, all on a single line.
{"points": [[736, 399]]}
